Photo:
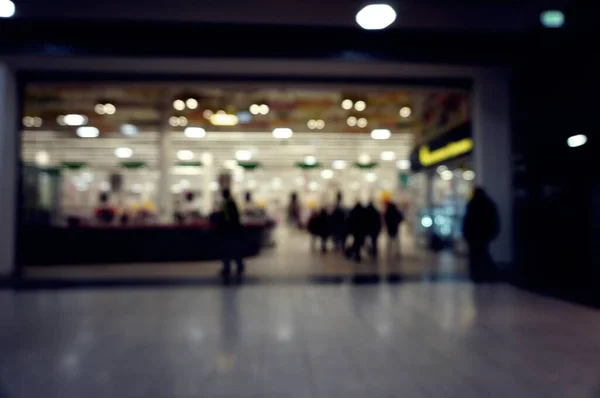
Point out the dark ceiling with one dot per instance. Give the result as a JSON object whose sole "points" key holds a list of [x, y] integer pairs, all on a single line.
{"points": [[470, 15]]}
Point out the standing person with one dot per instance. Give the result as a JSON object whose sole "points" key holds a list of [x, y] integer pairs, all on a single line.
{"points": [[324, 228], [356, 227], [338, 226], [230, 232], [480, 227], [393, 217], [373, 220]]}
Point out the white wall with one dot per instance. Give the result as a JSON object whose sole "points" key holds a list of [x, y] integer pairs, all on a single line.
{"points": [[492, 135], [8, 154]]}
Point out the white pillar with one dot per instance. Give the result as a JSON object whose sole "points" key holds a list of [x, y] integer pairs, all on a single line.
{"points": [[492, 154], [165, 198], [8, 170], [207, 178]]}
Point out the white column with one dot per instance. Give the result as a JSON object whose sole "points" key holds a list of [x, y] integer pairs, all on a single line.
{"points": [[207, 178], [165, 202], [492, 154], [8, 170]]}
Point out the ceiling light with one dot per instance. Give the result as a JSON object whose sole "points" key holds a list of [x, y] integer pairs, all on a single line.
{"points": [[403, 164], [174, 121], [327, 174], [244, 117], [194, 132], [185, 155], [191, 103], [447, 175], [243, 155], [129, 129], [371, 177], [276, 183], [37, 121], [313, 186], [339, 164], [42, 158], [360, 106], [362, 122], [254, 109], [381, 134], [185, 184], [351, 121], [320, 124], [104, 186], [282, 133], [364, 159], [137, 188], [230, 164], [207, 113], [441, 169], [347, 104], [552, 19], [88, 132], [310, 160], [179, 105], [576, 140], [214, 186], [468, 175], [405, 111], [110, 109], [183, 121], [7, 8], [224, 119], [387, 156], [28, 121], [312, 124], [376, 17], [264, 109], [61, 120], [75, 120], [99, 109], [123, 153]]}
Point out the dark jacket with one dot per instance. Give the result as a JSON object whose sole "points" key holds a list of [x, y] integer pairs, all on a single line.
{"points": [[393, 217], [319, 224], [338, 221], [227, 220], [357, 223], [481, 223], [373, 220]]}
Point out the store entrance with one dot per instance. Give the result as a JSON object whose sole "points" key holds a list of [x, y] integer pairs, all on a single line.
{"points": [[137, 170]]}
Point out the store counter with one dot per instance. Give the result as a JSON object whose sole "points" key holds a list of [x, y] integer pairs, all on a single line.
{"points": [[129, 244]]}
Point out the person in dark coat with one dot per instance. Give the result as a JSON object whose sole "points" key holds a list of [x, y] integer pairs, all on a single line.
{"points": [[373, 227], [357, 228], [318, 227], [338, 227], [392, 218], [481, 226], [230, 232]]}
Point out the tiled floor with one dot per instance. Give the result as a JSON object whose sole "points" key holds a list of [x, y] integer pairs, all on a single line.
{"points": [[414, 340], [290, 259]]}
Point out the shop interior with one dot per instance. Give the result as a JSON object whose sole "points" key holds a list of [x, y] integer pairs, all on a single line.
{"points": [[158, 155]]}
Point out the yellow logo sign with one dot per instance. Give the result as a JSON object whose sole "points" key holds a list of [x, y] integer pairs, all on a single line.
{"points": [[451, 150]]}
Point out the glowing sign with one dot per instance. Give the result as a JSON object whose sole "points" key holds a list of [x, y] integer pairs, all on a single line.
{"points": [[451, 150]]}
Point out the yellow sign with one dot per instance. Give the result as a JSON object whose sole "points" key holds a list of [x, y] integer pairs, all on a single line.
{"points": [[451, 150]]}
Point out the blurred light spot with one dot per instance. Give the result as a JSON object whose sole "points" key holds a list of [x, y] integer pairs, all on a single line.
{"points": [[75, 120], [403, 164], [552, 19], [576, 140], [191, 103], [468, 175], [129, 129], [426, 222], [7, 9], [388, 156], [371, 177], [310, 160], [243, 155], [441, 169], [362, 122], [88, 132], [351, 121], [179, 105], [339, 164], [347, 104], [381, 134], [123, 153], [185, 155], [327, 174], [42, 158], [360, 106], [376, 17], [194, 132], [282, 133]]}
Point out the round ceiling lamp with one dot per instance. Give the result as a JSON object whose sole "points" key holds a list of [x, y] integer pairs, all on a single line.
{"points": [[405, 111], [376, 17], [7, 9]]}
